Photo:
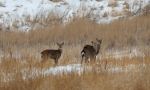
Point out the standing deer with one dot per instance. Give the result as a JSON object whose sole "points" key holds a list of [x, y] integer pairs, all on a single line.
{"points": [[90, 49], [52, 54], [89, 52], [99, 45]]}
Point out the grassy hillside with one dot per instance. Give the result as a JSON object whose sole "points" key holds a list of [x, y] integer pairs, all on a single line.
{"points": [[21, 50]]}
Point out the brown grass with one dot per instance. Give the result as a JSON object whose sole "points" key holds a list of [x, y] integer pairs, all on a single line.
{"points": [[98, 0], [136, 78], [116, 13], [21, 50], [113, 3], [146, 9], [56, 0], [2, 4], [101, 7], [105, 15], [126, 5]]}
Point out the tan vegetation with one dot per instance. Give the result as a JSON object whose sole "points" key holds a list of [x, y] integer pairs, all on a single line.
{"points": [[2, 4], [1, 15], [21, 50], [98, 0], [116, 13], [105, 15], [55, 0], [113, 3], [101, 7], [98, 78], [146, 9], [126, 5]]}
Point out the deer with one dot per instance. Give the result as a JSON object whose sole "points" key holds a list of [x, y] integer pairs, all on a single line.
{"points": [[99, 41], [52, 54], [91, 51]]}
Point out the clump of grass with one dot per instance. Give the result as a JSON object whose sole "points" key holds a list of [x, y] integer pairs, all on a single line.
{"points": [[126, 5], [116, 13], [98, 0], [55, 0], [101, 7], [146, 9], [2, 4], [127, 13], [1, 15], [105, 15], [14, 24], [113, 3], [1, 27]]}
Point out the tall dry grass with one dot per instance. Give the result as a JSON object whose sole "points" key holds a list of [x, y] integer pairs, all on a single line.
{"points": [[118, 34], [136, 78], [21, 50]]}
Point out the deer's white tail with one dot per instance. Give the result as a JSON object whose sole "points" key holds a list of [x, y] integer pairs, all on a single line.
{"points": [[83, 53]]}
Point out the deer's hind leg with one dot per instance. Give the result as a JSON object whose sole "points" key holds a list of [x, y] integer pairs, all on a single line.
{"points": [[44, 58], [56, 62], [82, 60]]}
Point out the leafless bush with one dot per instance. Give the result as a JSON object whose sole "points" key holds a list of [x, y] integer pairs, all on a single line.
{"points": [[56, 0], [146, 9], [98, 0], [2, 4], [113, 3], [105, 14], [101, 7], [126, 5]]}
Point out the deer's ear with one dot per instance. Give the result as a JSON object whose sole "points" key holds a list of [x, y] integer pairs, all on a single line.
{"points": [[62, 43], [92, 42], [102, 39], [57, 43], [97, 39]]}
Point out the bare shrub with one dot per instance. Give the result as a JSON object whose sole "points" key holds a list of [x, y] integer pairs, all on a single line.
{"points": [[126, 5], [113, 3], [2, 4], [116, 13], [27, 18], [105, 14], [1, 15], [101, 7], [14, 24], [136, 2], [146, 9], [1, 27], [98, 0], [56, 0], [127, 13]]}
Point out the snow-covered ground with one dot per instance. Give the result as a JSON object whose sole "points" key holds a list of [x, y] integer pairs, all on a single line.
{"points": [[27, 14], [76, 68]]}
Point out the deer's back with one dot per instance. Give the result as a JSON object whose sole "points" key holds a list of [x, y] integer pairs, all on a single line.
{"points": [[87, 47], [89, 51], [52, 53]]}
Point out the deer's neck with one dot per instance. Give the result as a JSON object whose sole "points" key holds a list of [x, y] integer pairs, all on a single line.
{"points": [[98, 48], [60, 49], [95, 48]]}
